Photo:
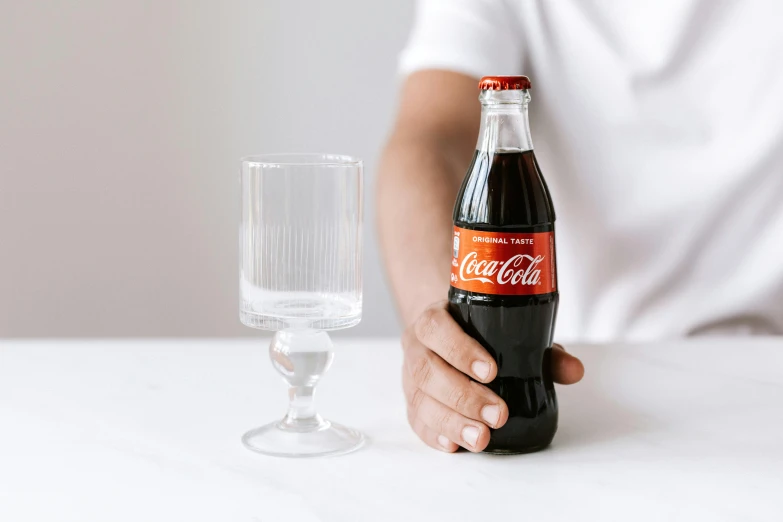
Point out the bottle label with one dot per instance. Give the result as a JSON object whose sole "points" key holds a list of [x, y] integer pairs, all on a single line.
{"points": [[503, 263]]}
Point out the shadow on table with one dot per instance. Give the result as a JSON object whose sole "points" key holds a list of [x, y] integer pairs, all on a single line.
{"points": [[590, 411]]}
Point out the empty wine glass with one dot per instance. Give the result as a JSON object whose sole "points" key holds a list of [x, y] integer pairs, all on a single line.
{"points": [[300, 275]]}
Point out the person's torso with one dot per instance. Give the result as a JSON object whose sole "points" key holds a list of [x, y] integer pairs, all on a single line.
{"points": [[660, 132]]}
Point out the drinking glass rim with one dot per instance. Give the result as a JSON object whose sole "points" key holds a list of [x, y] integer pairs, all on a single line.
{"points": [[301, 159]]}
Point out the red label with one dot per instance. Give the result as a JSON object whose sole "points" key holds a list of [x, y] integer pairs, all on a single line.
{"points": [[503, 263]]}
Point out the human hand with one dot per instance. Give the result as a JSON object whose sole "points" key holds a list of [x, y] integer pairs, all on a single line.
{"points": [[446, 408]]}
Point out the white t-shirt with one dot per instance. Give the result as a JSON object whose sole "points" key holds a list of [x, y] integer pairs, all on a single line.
{"points": [[659, 129]]}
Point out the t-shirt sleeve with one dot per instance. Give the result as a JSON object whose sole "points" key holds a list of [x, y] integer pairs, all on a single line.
{"points": [[473, 37]]}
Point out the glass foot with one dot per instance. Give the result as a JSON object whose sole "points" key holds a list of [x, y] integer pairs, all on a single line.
{"points": [[281, 440]]}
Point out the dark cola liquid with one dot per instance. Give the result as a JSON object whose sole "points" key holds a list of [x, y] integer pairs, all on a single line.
{"points": [[505, 192]]}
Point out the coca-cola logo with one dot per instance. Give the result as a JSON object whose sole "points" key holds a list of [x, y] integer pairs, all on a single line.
{"points": [[520, 269]]}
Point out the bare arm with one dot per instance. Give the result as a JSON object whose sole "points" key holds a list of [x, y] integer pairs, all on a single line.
{"points": [[421, 170]]}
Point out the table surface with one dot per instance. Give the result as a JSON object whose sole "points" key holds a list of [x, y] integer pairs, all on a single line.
{"points": [[150, 430]]}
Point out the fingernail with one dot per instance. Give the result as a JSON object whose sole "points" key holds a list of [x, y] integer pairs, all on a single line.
{"points": [[470, 435], [443, 441], [480, 369], [491, 414]]}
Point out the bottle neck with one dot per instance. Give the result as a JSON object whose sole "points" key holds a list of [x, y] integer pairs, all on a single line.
{"points": [[504, 123]]}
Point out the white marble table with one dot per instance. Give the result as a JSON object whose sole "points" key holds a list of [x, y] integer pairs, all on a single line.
{"points": [[149, 430]]}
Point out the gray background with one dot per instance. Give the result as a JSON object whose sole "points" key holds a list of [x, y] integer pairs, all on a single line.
{"points": [[121, 123]]}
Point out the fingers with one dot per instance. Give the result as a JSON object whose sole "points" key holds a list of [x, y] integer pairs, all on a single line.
{"points": [[434, 377], [566, 369], [437, 330], [441, 420], [447, 408], [431, 437]]}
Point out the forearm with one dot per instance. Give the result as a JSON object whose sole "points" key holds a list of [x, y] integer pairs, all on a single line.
{"points": [[417, 184]]}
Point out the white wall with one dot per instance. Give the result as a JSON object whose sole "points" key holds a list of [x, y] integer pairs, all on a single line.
{"points": [[121, 124]]}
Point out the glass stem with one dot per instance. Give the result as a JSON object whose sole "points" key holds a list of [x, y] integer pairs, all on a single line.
{"points": [[301, 402], [301, 410], [301, 357]]}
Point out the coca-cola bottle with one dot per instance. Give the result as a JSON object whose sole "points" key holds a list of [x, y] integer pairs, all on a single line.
{"points": [[503, 278]]}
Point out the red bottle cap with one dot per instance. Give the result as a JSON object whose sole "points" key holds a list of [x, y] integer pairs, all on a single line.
{"points": [[504, 83]]}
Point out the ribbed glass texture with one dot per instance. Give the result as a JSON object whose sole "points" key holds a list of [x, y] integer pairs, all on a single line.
{"points": [[300, 242]]}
